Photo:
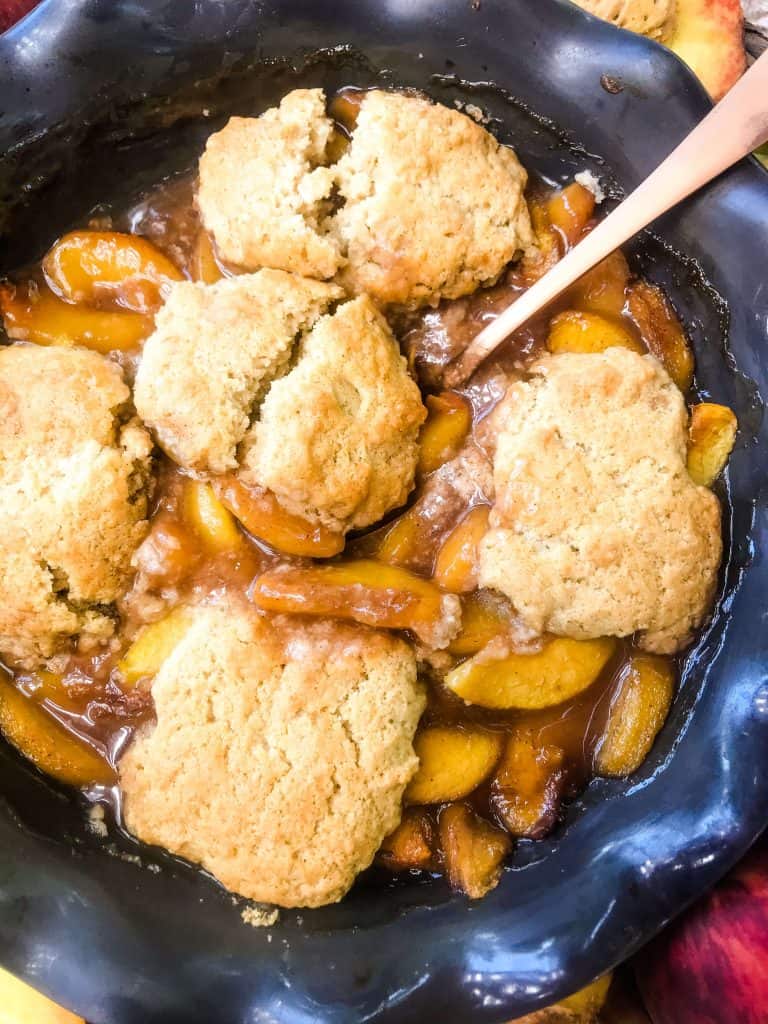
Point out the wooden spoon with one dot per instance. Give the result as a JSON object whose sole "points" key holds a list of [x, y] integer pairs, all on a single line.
{"points": [[731, 130]]}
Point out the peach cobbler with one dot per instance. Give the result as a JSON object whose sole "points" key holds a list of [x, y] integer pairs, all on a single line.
{"points": [[270, 589]]}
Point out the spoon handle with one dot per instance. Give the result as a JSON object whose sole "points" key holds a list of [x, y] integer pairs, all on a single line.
{"points": [[731, 130]]}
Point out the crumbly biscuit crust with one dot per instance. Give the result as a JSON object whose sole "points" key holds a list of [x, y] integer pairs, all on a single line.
{"points": [[319, 409], [597, 529], [434, 205], [280, 755], [425, 204], [213, 354], [263, 190], [337, 438], [74, 469]]}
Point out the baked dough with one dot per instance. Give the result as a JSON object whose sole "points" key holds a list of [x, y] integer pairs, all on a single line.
{"points": [[263, 191], [280, 754], [213, 354], [597, 528], [321, 410], [425, 204], [433, 204], [337, 438], [74, 472]]}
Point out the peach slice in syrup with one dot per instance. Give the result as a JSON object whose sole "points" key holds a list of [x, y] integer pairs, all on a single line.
{"points": [[47, 743], [456, 566], [527, 682], [569, 210], [638, 710], [473, 850], [452, 762], [126, 271], [661, 331], [711, 436], [262, 515], [365, 591], [448, 422], [212, 522], [31, 312], [485, 616], [576, 330]]}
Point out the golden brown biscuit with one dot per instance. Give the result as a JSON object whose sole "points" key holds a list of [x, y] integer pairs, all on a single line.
{"points": [[433, 204], [213, 354], [74, 468], [597, 529], [336, 439], [654, 18], [427, 204], [263, 190], [280, 755]]}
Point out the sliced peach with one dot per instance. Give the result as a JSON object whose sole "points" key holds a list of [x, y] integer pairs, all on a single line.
{"points": [[579, 331], [170, 552], [548, 250], [569, 210], [409, 847], [709, 36], [152, 646], [48, 686], [588, 1001], [638, 710], [484, 616], [527, 785], [204, 265], [603, 289], [31, 312], [448, 422], [456, 566], [345, 106], [47, 744], [546, 678], [212, 522], [452, 762], [661, 331], [365, 591], [400, 543], [263, 516], [125, 270], [337, 146], [711, 437], [583, 1007], [21, 1004], [413, 538], [473, 850]]}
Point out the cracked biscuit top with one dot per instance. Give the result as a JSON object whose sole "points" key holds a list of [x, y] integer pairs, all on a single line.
{"points": [[425, 204], [74, 468], [264, 191], [213, 354], [597, 528], [280, 754], [319, 409], [337, 438], [433, 204]]}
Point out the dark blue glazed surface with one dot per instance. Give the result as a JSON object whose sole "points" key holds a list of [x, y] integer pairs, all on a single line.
{"points": [[98, 97]]}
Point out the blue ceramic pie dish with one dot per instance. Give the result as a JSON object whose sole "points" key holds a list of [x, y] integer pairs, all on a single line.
{"points": [[100, 98]]}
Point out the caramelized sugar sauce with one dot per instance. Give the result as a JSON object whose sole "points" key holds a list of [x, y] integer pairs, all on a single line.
{"points": [[83, 703]]}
